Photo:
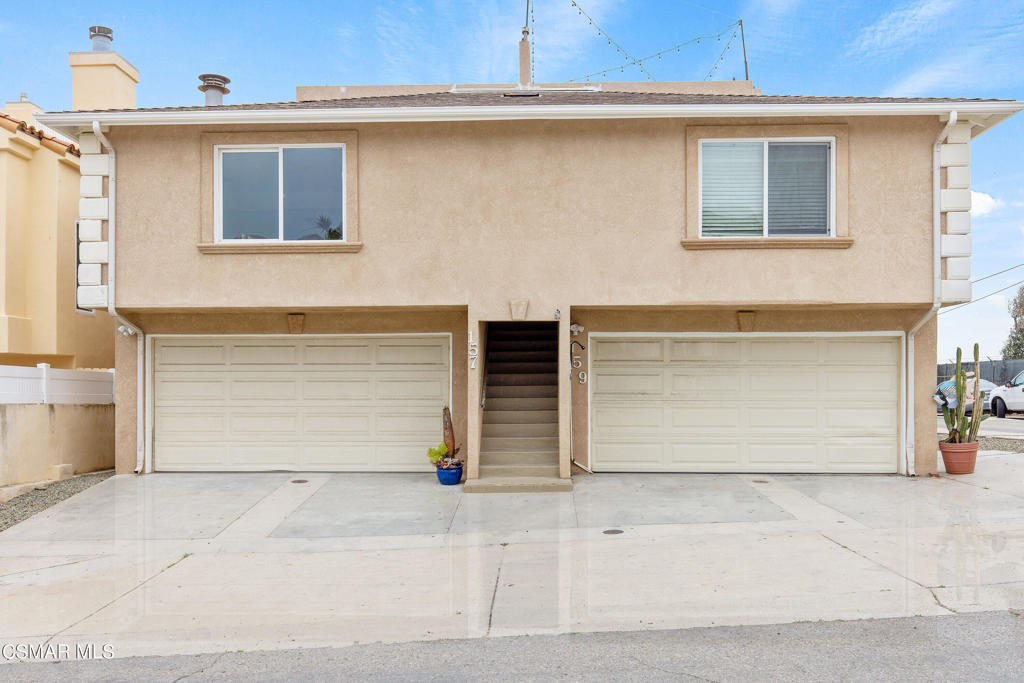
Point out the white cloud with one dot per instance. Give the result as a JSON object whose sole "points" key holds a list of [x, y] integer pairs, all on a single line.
{"points": [[983, 204], [986, 322], [899, 29]]}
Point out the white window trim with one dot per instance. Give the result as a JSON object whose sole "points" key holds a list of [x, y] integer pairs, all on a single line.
{"points": [[764, 221], [218, 189]]}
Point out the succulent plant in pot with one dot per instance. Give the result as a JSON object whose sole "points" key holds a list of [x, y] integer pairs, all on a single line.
{"points": [[960, 448], [449, 468]]}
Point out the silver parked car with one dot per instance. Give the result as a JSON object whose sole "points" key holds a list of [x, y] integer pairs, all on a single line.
{"points": [[948, 390]]}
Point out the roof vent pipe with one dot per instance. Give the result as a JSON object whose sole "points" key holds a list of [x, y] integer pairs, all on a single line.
{"points": [[101, 37], [215, 86]]}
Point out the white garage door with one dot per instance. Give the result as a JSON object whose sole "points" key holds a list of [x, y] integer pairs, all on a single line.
{"points": [[309, 403], [741, 404]]}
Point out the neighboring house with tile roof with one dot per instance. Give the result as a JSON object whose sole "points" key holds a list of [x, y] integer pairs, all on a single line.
{"points": [[668, 277], [39, 190]]}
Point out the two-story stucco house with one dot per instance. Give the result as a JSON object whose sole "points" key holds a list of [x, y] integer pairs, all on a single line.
{"points": [[632, 277]]}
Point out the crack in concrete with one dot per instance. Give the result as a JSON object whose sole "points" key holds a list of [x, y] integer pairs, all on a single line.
{"points": [[494, 593], [51, 566], [946, 477], [939, 602], [892, 571], [200, 669], [111, 602], [671, 671]]}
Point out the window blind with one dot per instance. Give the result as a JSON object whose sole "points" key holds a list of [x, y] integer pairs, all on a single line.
{"points": [[738, 200], [732, 189], [798, 188]]}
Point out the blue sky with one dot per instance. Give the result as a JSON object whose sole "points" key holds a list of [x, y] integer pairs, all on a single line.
{"points": [[960, 48]]}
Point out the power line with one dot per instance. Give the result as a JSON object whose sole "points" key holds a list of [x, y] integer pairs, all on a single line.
{"points": [[675, 48], [974, 301], [999, 273], [611, 41]]}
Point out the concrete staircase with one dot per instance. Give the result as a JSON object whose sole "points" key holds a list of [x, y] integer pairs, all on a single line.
{"points": [[519, 442]]}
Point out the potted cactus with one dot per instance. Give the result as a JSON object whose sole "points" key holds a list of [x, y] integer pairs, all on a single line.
{"points": [[449, 468], [960, 448]]}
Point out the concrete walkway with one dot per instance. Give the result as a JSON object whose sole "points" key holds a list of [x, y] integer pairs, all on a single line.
{"points": [[206, 563]]}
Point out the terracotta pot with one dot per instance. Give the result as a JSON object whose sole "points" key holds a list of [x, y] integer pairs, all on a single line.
{"points": [[959, 458]]}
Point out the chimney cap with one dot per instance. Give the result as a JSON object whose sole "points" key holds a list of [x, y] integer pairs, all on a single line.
{"points": [[214, 82], [101, 31]]}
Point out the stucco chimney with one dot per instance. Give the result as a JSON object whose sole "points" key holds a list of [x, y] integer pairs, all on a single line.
{"points": [[215, 86], [101, 78], [524, 58]]}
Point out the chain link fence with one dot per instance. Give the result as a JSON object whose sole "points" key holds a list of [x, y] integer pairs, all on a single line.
{"points": [[995, 371]]}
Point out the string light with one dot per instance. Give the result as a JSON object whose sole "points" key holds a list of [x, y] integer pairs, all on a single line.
{"points": [[677, 48], [614, 44], [721, 57]]}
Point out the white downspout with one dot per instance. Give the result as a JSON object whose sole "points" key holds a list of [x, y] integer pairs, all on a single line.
{"points": [[936, 291], [127, 328]]}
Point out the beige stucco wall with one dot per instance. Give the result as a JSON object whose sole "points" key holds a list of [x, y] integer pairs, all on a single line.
{"points": [[479, 213], [823, 319], [347, 321], [33, 438], [39, 190]]}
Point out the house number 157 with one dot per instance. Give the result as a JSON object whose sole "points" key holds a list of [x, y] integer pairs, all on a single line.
{"points": [[474, 352]]}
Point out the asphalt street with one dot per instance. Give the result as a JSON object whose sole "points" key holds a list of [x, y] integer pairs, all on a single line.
{"points": [[984, 646]]}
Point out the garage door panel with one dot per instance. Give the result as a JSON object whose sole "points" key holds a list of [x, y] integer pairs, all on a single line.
{"points": [[264, 389], [264, 354], [389, 353], [190, 390], [629, 384], [336, 354], [336, 389], [779, 384], [783, 418], [694, 384], [638, 351], [863, 352], [773, 351], [693, 416], [346, 403], [725, 351], [774, 405], [707, 456], [629, 456], [326, 425], [773, 455], [183, 354], [411, 389]]}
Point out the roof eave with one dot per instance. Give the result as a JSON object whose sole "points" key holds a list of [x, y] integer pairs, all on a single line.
{"points": [[71, 122]]}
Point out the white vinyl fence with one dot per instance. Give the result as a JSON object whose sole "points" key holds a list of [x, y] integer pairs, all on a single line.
{"points": [[43, 384]]}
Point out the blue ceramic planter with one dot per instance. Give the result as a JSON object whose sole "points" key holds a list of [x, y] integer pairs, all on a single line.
{"points": [[449, 477]]}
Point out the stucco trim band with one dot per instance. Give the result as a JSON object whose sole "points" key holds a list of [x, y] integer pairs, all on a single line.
{"points": [[282, 248], [768, 243]]}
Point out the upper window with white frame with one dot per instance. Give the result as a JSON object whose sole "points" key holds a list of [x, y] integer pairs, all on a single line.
{"points": [[775, 187], [280, 193]]}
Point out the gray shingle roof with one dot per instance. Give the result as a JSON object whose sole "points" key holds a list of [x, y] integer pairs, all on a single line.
{"points": [[553, 98]]}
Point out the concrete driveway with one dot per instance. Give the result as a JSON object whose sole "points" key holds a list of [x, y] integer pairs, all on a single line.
{"points": [[190, 563]]}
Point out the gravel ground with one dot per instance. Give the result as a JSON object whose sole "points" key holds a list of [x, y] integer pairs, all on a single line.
{"points": [[993, 443], [27, 504]]}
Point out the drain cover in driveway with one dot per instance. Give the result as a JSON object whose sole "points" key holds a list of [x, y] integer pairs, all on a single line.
{"points": [[612, 532], [299, 481]]}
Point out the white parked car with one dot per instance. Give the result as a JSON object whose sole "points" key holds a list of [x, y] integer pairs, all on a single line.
{"points": [[1009, 398]]}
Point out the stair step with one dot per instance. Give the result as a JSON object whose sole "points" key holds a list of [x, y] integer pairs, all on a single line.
{"points": [[531, 379], [522, 345], [519, 428], [530, 356], [502, 368], [534, 403], [518, 443], [544, 416], [517, 485], [519, 458], [488, 471], [522, 391]]}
